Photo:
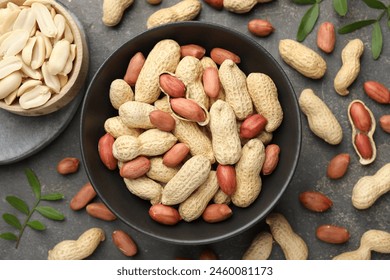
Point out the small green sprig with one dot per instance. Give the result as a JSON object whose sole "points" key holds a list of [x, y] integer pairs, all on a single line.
{"points": [[22, 206], [310, 18], [376, 33]]}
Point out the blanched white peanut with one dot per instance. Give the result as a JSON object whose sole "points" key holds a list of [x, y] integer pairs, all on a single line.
{"points": [[25, 21], [51, 81], [38, 54], [27, 85], [35, 97], [59, 56], [10, 83], [27, 52]]}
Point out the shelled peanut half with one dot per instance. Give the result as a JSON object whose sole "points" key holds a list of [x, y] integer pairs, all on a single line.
{"points": [[191, 132], [37, 52]]}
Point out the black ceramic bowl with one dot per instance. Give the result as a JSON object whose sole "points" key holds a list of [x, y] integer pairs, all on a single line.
{"points": [[109, 185]]}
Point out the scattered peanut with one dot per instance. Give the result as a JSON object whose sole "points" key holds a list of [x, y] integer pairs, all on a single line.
{"points": [[182, 11], [260, 27], [369, 188], [113, 11], [371, 240], [241, 6], [377, 91], [326, 37], [293, 246], [78, 249], [68, 165], [321, 120], [302, 58], [260, 247], [82, 197], [332, 234], [124, 243], [315, 201], [350, 69]]}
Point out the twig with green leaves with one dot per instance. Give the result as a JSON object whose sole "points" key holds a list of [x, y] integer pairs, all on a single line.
{"points": [[310, 18], [22, 206]]}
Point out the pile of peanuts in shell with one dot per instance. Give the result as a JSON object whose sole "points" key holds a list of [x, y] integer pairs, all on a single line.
{"points": [[195, 133], [37, 52]]}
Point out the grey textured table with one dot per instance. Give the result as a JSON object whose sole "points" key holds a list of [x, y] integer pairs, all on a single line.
{"points": [[310, 173]]}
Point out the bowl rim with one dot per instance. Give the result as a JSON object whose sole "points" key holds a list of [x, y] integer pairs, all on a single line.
{"points": [[275, 200]]}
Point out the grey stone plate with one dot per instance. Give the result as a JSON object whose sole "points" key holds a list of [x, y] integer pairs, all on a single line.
{"points": [[21, 137]]}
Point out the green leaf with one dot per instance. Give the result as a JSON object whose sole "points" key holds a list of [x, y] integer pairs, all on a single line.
{"points": [[308, 21], [355, 25], [375, 4], [341, 7], [50, 213], [52, 196], [18, 204], [376, 40], [8, 236], [12, 220], [34, 183], [37, 225], [304, 2]]}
